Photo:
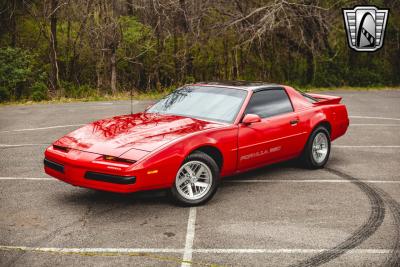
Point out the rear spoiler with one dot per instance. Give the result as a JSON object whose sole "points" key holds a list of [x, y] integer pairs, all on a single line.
{"points": [[325, 99]]}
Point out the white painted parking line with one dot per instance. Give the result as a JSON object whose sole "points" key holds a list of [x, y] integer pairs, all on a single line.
{"points": [[310, 181], [290, 251], [28, 178], [377, 118], [345, 146], [177, 250], [22, 145], [191, 225], [43, 128], [233, 181], [94, 250], [374, 124], [76, 125]]}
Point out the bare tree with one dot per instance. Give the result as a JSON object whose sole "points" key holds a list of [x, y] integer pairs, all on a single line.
{"points": [[302, 24], [54, 78], [104, 35]]}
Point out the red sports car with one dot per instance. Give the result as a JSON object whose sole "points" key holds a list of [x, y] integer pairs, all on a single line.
{"points": [[199, 133]]}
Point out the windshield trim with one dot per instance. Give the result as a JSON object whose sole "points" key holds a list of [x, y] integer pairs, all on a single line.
{"points": [[191, 117]]}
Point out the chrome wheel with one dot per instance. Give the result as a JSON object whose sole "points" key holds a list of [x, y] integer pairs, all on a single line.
{"points": [[320, 147], [193, 180]]}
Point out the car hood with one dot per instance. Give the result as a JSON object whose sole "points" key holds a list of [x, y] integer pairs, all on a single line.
{"points": [[140, 131]]}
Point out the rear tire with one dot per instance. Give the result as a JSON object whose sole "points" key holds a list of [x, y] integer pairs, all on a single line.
{"points": [[196, 181], [317, 150]]}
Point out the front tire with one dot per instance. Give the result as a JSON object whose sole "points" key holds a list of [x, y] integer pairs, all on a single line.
{"points": [[317, 150], [196, 181]]}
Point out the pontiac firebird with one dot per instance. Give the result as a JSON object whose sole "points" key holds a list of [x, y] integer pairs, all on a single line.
{"points": [[196, 135]]}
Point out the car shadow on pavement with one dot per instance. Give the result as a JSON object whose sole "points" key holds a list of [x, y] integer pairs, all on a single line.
{"points": [[270, 170], [84, 197], [81, 196]]}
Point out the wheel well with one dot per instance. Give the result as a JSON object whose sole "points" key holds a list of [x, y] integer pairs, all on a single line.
{"points": [[213, 152], [326, 125]]}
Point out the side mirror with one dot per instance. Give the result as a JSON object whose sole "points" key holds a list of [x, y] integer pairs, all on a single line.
{"points": [[251, 118]]}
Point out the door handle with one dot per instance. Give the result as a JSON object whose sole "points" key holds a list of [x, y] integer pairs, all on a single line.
{"points": [[294, 122]]}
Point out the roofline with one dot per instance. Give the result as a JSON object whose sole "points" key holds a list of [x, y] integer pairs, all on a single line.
{"points": [[246, 88]]}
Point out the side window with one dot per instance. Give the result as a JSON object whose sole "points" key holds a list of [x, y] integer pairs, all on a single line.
{"points": [[269, 103]]}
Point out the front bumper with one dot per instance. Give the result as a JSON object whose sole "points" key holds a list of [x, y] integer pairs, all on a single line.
{"points": [[84, 169], [95, 176], [84, 177]]}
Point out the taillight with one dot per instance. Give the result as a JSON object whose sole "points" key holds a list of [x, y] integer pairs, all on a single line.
{"points": [[116, 159]]}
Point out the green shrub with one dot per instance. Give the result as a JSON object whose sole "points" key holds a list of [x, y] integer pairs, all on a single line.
{"points": [[78, 91], [16, 71], [365, 77], [4, 94], [39, 91]]}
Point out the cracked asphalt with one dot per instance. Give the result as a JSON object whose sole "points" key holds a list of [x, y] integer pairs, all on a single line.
{"points": [[347, 214]]}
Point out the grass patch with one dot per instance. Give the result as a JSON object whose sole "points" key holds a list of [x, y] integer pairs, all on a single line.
{"points": [[153, 95], [106, 97]]}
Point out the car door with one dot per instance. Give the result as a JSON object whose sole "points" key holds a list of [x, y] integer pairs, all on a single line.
{"points": [[276, 137]]}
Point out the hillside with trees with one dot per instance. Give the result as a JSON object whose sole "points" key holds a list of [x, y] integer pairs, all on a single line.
{"points": [[81, 48]]}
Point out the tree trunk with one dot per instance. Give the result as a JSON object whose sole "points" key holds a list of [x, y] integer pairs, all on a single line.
{"points": [[176, 63], [241, 61], [113, 61], [235, 71], [226, 59], [13, 32], [99, 73], [14, 26], [129, 5], [310, 67], [53, 47], [159, 49], [188, 41], [395, 68], [68, 49]]}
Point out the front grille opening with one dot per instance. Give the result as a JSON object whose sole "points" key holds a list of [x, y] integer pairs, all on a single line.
{"points": [[109, 178], [53, 165]]}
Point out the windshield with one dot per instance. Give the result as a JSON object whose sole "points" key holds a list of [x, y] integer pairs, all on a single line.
{"points": [[202, 102]]}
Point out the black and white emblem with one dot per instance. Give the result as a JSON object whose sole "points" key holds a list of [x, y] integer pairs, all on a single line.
{"points": [[365, 27]]}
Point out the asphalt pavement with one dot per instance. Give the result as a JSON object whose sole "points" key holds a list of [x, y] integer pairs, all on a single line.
{"points": [[347, 214]]}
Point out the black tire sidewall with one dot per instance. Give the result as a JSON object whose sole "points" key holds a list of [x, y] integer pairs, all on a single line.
{"points": [[309, 156], [206, 159]]}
